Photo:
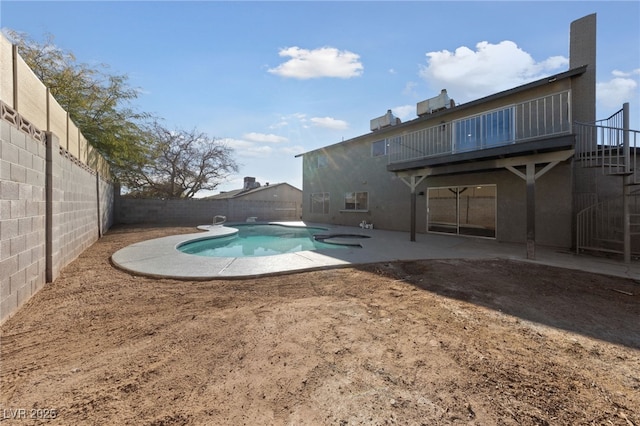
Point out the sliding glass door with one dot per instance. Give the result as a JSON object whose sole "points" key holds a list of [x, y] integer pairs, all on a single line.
{"points": [[462, 210]]}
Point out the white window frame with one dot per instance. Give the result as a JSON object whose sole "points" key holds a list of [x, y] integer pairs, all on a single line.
{"points": [[354, 195], [457, 201], [326, 198], [321, 161], [385, 148]]}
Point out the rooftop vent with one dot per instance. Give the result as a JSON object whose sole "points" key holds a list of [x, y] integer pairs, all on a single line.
{"points": [[437, 103], [385, 121]]}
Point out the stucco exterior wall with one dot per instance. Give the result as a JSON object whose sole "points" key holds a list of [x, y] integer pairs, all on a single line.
{"points": [[582, 51], [278, 192], [553, 203], [352, 168]]}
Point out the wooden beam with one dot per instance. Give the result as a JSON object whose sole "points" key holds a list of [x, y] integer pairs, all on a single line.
{"points": [[498, 163], [531, 211]]}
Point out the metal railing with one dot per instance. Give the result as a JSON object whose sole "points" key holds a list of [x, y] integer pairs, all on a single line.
{"points": [[601, 227], [603, 144], [545, 116], [612, 225]]}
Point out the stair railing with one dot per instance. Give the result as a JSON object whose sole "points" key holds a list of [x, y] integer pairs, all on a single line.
{"points": [[610, 145]]}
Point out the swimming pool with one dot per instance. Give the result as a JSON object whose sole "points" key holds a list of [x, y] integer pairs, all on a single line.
{"points": [[261, 240]]}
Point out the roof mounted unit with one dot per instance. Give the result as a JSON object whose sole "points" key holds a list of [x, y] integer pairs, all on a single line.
{"points": [[385, 121], [438, 103], [250, 183]]}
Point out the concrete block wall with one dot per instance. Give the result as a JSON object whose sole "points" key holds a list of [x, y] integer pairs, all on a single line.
{"points": [[106, 212], [22, 217], [52, 207], [74, 220], [53, 203], [201, 212]]}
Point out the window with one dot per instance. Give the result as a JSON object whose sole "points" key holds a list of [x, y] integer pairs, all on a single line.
{"points": [[379, 148], [468, 134], [321, 161], [356, 201], [483, 131], [497, 127], [462, 210], [320, 202]]}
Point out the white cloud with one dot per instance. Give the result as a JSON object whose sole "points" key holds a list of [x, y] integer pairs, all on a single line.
{"points": [[289, 120], [410, 88], [405, 112], [470, 74], [618, 90], [264, 138], [244, 148], [330, 123], [293, 150], [618, 73], [323, 62]]}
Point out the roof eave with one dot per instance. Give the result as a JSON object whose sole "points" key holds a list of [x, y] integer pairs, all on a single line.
{"points": [[541, 82]]}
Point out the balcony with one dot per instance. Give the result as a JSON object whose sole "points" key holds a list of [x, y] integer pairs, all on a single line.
{"points": [[518, 126]]}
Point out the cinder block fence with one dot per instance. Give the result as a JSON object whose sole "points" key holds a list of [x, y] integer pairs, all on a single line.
{"points": [[56, 195], [56, 198], [202, 212], [52, 207]]}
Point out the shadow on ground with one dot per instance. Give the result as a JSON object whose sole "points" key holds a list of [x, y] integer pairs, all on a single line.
{"points": [[590, 304]]}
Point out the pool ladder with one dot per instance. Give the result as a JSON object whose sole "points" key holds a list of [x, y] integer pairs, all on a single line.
{"points": [[219, 220]]}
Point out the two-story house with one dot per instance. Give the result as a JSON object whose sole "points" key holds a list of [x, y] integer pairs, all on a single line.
{"points": [[502, 167]]}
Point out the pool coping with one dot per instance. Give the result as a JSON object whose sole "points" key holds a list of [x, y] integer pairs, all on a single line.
{"points": [[160, 257]]}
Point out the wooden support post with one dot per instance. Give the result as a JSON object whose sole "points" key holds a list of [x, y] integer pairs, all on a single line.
{"points": [[414, 181], [531, 210], [413, 212]]}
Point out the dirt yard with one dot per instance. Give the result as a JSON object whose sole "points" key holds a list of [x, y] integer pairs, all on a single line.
{"points": [[415, 343]]}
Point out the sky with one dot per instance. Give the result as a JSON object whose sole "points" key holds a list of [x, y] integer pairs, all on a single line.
{"points": [[276, 79]]}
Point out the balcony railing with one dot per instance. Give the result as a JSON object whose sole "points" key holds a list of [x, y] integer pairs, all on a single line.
{"points": [[542, 117], [610, 145]]}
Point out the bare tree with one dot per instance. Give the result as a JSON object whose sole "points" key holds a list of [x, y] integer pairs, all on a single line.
{"points": [[179, 165], [98, 101]]}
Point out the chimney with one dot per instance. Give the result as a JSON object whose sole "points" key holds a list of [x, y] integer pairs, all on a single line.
{"points": [[250, 183]]}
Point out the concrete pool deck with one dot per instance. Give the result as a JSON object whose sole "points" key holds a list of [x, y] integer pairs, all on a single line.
{"points": [[160, 258]]}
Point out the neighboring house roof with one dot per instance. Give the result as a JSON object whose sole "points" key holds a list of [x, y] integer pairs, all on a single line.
{"points": [[567, 74], [242, 192]]}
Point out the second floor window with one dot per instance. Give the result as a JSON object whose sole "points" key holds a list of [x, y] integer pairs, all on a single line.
{"points": [[379, 148], [321, 161]]}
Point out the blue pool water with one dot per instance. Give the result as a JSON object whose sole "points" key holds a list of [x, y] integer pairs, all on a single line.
{"points": [[259, 240]]}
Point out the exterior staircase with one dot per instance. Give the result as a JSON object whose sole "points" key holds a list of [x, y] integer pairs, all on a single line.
{"points": [[612, 224]]}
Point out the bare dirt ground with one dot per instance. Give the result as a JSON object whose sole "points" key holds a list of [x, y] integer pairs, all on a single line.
{"points": [[408, 343]]}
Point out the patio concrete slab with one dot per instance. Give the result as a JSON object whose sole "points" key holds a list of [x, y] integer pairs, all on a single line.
{"points": [[161, 258]]}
